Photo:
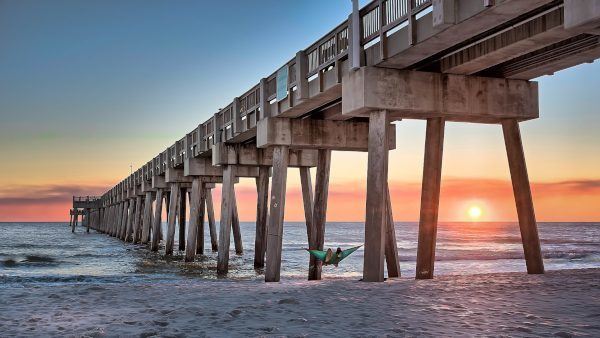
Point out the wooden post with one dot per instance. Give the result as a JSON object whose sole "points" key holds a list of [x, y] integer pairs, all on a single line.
{"points": [[130, 217], [113, 219], [136, 219], [235, 226], [210, 212], [391, 246], [523, 199], [147, 218], [87, 220], [125, 217], [109, 219], [227, 197], [262, 192], [320, 205], [376, 213], [200, 223], [307, 202], [167, 198], [430, 198], [181, 218], [311, 231], [74, 221], [157, 220], [141, 220], [116, 219], [277, 207], [190, 249], [172, 216]]}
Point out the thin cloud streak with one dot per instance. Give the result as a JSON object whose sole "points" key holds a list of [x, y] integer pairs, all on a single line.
{"points": [[46, 194]]}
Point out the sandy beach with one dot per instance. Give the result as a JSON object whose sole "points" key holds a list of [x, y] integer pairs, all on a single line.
{"points": [[560, 303]]}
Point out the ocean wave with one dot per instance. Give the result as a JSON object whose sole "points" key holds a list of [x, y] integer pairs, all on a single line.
{"points": [[14, 261], [498, 255], [4, 279]]}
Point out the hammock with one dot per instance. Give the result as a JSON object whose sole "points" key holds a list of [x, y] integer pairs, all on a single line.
{"points": [[330, 257]]}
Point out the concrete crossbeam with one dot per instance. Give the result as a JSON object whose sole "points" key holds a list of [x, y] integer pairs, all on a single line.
{"points": [[583, 15], [200, 166], [316, 134], [421, 95], [249, 154]]}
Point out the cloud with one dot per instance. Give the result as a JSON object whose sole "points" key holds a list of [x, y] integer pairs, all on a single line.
{"points": [[17, 195]]}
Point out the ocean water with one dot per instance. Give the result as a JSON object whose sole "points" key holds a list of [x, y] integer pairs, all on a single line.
{"points": [[50, 253]]}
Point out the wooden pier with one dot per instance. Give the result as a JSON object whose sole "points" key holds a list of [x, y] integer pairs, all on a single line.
{"points": [[439, 61]]}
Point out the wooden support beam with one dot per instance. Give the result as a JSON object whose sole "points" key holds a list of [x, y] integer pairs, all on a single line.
{"points": [[190, 250], [262, 208], [130, 214], [391, 246], [181, 217], [172, 217], [109, 223], [157, 220], [311, 231], [167, 197], [200, 223], [117, 219], [430, 198], [210, 212], [376, 213], [124, 220], [73, 221], [320, 206], [136, 219], [235, 226], [277, 207], [523, 199], [146, 224], [227, 196]]}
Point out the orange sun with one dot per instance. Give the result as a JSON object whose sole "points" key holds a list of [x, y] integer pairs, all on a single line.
{"points": [[475, 212]]}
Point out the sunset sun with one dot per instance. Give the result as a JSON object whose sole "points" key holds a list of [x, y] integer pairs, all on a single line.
{"points": [[475, 212]]}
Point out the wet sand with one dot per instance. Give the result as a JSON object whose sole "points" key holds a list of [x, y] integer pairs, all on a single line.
{"points": [[560, 303]]}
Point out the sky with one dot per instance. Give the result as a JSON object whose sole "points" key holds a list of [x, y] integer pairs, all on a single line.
{"points": [[88, 88]]}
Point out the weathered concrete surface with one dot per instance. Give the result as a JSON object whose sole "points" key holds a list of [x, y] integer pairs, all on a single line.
{"points": [[421, 95], [316, 134], [583, 15], [249, 154]]}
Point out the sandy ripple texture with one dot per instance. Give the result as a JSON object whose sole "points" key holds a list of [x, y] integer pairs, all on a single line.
{"points": [[560, 303]]}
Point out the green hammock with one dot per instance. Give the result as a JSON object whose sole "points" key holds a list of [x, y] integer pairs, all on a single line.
{"points": [[331, 257]]}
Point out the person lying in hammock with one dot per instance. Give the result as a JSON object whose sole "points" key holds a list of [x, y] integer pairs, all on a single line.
{"points": [[329, 257]]}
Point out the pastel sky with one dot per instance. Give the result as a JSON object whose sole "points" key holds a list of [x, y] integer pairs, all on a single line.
{"points": [[89, 87]]}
